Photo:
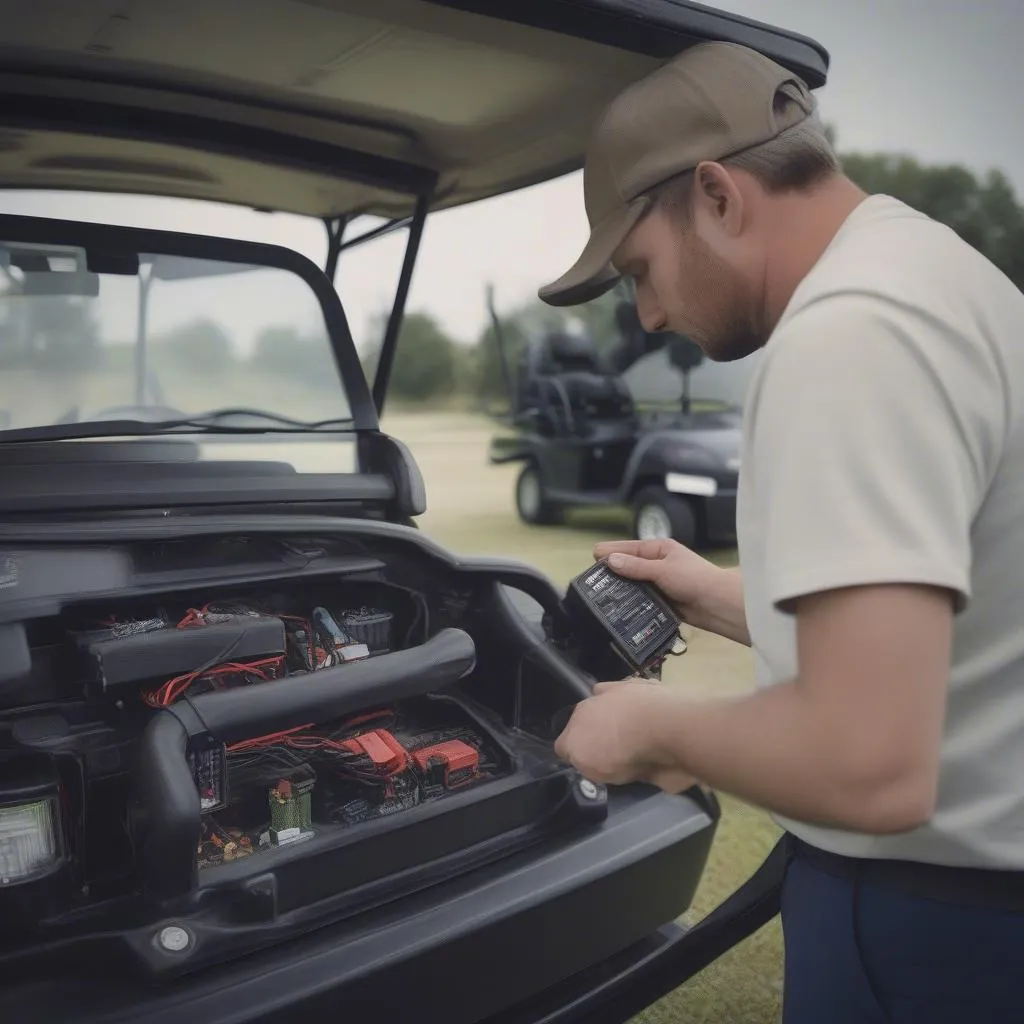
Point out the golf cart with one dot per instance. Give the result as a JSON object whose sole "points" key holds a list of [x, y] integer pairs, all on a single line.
{"points": [[585, 440], [267, 752]]}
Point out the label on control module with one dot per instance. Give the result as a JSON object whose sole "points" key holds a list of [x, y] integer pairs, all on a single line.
{"points": [[642, 625], [207, 760]]}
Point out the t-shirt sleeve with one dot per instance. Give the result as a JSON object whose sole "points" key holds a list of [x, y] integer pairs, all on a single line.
{"points": [[873, 433]]}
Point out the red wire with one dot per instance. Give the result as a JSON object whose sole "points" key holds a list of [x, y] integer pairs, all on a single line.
{"points": [[298, 739], [270, 740], [174, 688]]}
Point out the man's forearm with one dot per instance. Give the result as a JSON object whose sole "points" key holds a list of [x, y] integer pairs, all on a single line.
{"points": [[772, 750], [722, 610]]}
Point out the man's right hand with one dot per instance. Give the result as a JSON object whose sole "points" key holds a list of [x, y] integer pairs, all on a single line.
{"points": [[705, 595]]}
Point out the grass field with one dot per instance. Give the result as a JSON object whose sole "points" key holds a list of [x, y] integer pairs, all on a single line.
{"points": [[470, 510]]}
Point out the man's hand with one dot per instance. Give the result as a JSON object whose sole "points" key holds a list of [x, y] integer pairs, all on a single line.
{"points": [[853, 742], [705, 595], [610, 737]]}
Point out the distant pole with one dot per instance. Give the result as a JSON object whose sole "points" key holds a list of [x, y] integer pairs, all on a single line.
{"points": [[141, 337], [499, 338]]}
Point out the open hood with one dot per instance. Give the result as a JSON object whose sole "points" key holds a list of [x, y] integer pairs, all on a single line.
{"points": [[331, 108]]}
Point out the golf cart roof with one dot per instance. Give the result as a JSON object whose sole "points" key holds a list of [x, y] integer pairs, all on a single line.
{"points": [[330, 108]]}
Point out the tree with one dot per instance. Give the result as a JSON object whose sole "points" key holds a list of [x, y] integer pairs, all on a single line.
{"points": [[426, 364], [284, 352], [983, 211], [200, 347]]}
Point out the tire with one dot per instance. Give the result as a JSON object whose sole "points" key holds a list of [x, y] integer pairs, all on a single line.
{"points": [[657, 513], [532, 503]]}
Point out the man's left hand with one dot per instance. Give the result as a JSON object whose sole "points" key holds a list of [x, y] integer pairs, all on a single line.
{"points": [[613, 736]]}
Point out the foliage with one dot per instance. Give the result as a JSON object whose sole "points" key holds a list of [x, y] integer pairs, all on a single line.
{"points": [[983, 210], [485, 364], [427, 361], [284, 352], [199, 347]]}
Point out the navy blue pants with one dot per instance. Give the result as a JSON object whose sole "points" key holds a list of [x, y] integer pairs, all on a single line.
{"points": [[858, 953]]}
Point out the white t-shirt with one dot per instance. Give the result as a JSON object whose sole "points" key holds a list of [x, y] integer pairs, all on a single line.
{"points": [[884, 442]]}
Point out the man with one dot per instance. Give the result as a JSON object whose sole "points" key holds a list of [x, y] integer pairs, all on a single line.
{"points": [[881, 539]]}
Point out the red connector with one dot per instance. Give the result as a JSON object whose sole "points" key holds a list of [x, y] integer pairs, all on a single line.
{"points": [[461, 761]]}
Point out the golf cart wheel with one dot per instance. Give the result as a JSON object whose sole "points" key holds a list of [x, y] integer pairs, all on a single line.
{"points": [[531, 501], [657, 514]]}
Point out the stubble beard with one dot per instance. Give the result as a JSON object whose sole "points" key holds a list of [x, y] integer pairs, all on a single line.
{"points": [[729, 331]]}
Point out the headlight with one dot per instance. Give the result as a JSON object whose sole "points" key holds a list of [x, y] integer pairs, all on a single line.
{"points": [[28, 840], [30, 833]]}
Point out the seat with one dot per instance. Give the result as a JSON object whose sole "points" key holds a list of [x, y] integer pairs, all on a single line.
{"points": [[565, 376]]}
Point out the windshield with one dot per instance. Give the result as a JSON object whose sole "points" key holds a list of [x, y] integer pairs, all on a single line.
{"points": [[88, 337]]}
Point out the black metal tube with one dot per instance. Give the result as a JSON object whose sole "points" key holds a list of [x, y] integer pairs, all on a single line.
{"points": [[166, 808], [385, 229], [387, 349], [503, 353], [332, 692], [335, 235]]}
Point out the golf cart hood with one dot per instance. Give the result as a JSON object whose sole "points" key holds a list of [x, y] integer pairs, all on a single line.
{"points": [[331, 108], [723, 442]]}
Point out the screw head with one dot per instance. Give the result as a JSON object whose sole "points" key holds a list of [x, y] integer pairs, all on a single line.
{"points": [[174, 939], [588, 789]]}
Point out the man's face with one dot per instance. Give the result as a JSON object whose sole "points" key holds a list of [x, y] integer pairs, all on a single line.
{"points": [[683, 285]]}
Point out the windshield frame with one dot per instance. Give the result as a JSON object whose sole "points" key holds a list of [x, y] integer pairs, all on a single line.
{"points": [[113, 242]]}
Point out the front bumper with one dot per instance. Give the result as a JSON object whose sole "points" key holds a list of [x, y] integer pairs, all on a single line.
{"points": [[493, 941]]}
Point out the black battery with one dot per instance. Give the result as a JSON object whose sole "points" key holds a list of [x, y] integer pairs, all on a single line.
{"points": [[641, 625]]}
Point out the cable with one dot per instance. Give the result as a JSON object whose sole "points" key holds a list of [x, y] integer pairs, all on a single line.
{"points": [[264, 669]]}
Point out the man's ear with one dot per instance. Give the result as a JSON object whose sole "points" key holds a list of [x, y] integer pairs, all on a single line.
{"points": [[717, 199]]}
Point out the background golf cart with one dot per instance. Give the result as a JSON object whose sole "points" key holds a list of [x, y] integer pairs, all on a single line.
{"points": [[618, 427]]}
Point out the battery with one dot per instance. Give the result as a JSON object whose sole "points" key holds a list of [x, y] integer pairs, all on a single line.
{"points": [[641, 625]]}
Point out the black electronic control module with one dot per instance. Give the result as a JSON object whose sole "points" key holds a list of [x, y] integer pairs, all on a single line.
{"points": [[641, 625]]}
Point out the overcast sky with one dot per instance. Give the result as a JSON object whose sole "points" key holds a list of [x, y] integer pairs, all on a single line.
{"points": [[939, 79]]}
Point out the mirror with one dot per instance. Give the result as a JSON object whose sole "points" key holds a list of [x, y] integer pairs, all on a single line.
{"points": [[51, 283], [47, 270]]}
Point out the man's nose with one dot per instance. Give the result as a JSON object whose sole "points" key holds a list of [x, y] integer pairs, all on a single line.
{"points": [[650, 314]]}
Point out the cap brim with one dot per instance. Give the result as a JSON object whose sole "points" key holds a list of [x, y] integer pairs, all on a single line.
{"points": [[593, 274]]}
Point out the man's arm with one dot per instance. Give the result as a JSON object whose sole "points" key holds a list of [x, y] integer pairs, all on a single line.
{"points": [[853, 742], [875, 436], [722, 608]]}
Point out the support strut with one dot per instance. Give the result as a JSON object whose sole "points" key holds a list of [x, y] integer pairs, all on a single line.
{"points": [[387, 349]]}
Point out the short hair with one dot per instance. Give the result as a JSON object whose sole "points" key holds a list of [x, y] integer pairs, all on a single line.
{"points": [[795, 160]]}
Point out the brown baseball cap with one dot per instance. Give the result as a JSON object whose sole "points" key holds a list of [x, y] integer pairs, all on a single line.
{"points": [[712, 101]]}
